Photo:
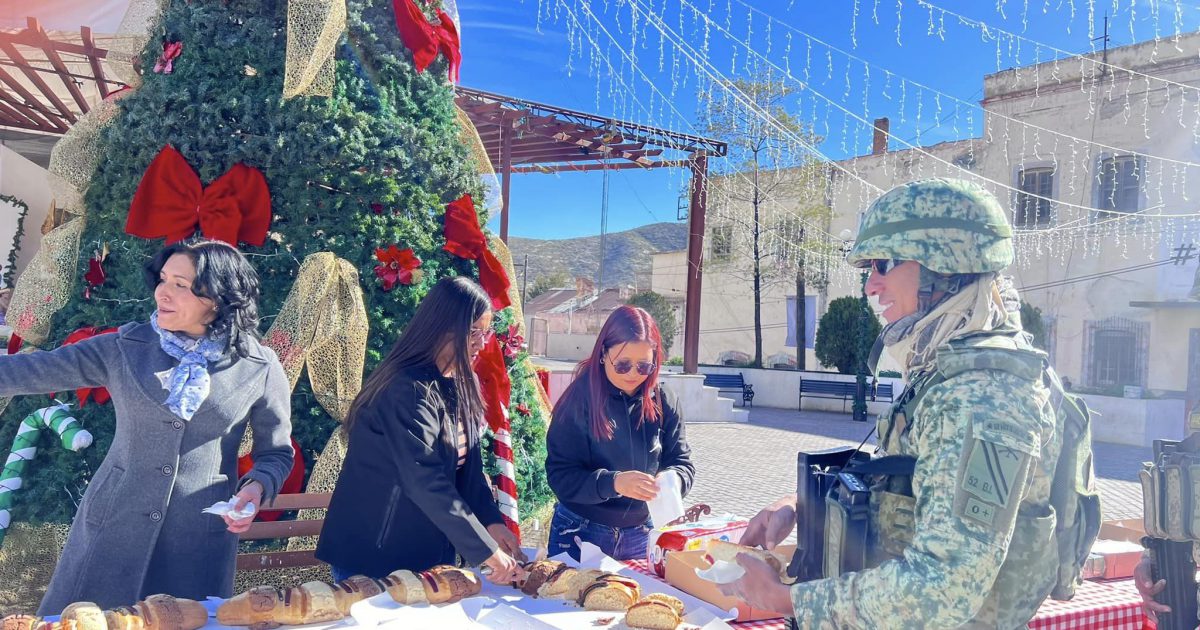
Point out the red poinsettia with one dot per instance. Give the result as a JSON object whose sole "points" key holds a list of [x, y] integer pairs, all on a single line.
{"points": [[397, 265], [166, 61], [524, 410], [513, 342]]}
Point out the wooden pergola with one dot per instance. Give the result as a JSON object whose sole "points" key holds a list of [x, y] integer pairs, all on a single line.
{"points": [[48, 82], [35, 71], [526, 137]]}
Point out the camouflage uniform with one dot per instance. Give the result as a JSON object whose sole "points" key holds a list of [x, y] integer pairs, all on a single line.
{"points": [[972, 545]]}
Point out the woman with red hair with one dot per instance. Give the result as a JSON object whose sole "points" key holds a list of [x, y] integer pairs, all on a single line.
{"points": [[614, 434]]}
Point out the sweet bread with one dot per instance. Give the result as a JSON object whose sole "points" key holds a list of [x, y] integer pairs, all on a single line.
{"points": [[444, 583], [354, 589], [609, 592], [652, 614], [405, 588], [539, 573], [268, 606], [673, 602], [20, 622], [86, 615]]}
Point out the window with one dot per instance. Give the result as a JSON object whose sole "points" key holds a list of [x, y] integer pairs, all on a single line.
{"points": [[1117, 351], [1120, 184], [721, 242], [1033, 202]]}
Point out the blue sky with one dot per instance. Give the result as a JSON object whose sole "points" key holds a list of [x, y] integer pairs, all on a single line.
{"points": [[507, 49]]}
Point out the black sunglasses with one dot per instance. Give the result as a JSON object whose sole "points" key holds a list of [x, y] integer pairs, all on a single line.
{"points": [[644, 368], [882, 266]]}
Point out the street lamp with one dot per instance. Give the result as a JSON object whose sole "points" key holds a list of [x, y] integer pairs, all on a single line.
{"points": [[863, 344]]}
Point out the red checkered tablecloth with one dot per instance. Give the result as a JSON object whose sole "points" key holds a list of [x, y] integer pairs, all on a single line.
{"points": [[1096, 606]]}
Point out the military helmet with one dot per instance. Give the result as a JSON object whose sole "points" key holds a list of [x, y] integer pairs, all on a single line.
{"points": [[948, 225]]}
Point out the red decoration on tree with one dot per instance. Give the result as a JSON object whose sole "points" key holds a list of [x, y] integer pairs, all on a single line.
{"points": [[397, 265], [425, 40], [99, 395], [465, 240], [292, 485], [166, 61], [14, 343], [171, 202], [95, 275], [524, 410], [513, 342]]}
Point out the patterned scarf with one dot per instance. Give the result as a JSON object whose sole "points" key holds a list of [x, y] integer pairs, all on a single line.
{"points": [[188, 383], [988, 304]]}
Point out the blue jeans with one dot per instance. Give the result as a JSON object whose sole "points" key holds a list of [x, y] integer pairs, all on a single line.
{"points": [[339, 574], [621, 543]]}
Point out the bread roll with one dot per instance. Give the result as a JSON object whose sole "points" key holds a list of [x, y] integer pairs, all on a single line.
{"points": [[164, 612], [559, 582], [124, 618], [652, 615], [539, 574], [461, 583], [727, 551], [673, 602], [20, 622], [354, 589], [607, 595], [267, 606], [580, 581], [86, 615], [405, 588]]}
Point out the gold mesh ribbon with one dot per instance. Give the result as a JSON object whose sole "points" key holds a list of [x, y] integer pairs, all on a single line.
{"points": [[131, 39], [313, 30], [46, 283], [27, 561], [323, 479], [323, 324]]}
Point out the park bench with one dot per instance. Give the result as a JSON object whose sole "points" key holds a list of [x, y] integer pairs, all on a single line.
{"points": [[731, 383]]}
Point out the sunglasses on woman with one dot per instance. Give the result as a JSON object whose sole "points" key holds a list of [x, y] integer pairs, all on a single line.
{"points": [[644, 368], [480, 335], [882, 266]]}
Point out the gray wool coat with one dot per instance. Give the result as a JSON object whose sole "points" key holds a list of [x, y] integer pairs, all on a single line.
{"points": [[139, 529]]}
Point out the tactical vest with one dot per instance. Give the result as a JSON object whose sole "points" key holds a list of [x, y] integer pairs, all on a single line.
{"points": [[891, 522]]}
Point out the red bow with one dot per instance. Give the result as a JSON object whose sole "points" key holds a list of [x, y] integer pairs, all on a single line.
{"points": [[170, 202], [424, 39], [465, 240], [99, 395], [494, 384], [292, 485]]}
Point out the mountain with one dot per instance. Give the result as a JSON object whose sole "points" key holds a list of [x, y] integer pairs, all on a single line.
{"points": [[626, 255]]}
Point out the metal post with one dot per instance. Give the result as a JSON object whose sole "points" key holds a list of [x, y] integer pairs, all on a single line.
{"points": [[506, 134], [695, 255], [524, 279]]}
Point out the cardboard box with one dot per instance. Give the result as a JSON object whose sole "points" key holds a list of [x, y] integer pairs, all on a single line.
{"points": [[690, 536], [1112, 559], [1129, 530], [681, 573]]}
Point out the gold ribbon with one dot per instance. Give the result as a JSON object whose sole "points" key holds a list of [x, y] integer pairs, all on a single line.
{"points": [[323, 324], [313, 30]]}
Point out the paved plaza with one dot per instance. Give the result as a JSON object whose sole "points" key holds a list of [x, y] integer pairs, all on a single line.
{"points": [[741, 467]]}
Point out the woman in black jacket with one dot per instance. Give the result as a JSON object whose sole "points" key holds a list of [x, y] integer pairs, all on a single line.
{"points": [[412, 492], [614, 434]]}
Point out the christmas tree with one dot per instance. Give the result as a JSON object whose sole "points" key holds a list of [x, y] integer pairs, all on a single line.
{"points": [[322, 137]]}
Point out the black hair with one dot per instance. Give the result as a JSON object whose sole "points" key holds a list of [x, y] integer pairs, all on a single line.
{"points": [[445, 315], [224, 276]]}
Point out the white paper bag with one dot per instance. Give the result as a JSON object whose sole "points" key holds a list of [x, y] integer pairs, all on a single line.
{"points": [[668, 505]]}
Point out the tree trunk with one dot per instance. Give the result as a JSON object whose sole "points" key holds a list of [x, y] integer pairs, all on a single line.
{"points": [[758, 343], [801, 325]]}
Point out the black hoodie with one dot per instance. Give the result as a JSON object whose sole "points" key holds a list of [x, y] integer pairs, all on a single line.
{"points": [[581, 468]]}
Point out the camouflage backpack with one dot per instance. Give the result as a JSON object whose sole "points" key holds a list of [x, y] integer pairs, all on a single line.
{"points": [[1073, 490]]}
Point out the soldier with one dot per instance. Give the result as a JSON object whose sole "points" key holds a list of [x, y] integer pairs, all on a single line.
{"points": [[969, 540]]}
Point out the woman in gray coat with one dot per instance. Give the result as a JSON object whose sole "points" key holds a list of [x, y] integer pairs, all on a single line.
{"points": [[184, 385]]}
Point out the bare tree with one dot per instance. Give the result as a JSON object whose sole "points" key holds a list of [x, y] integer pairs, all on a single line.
{"points": [[773, 173]]}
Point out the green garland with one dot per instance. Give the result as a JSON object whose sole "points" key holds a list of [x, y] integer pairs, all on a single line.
{"points": [[10, 272]]}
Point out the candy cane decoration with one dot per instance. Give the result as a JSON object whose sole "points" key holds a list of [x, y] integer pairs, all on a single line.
{"points": [[72, 435], [506, 484]]}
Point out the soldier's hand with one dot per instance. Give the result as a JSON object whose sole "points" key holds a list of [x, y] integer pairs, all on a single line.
{"points": [[769, 527], [1148, 588], [760, 587]]}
